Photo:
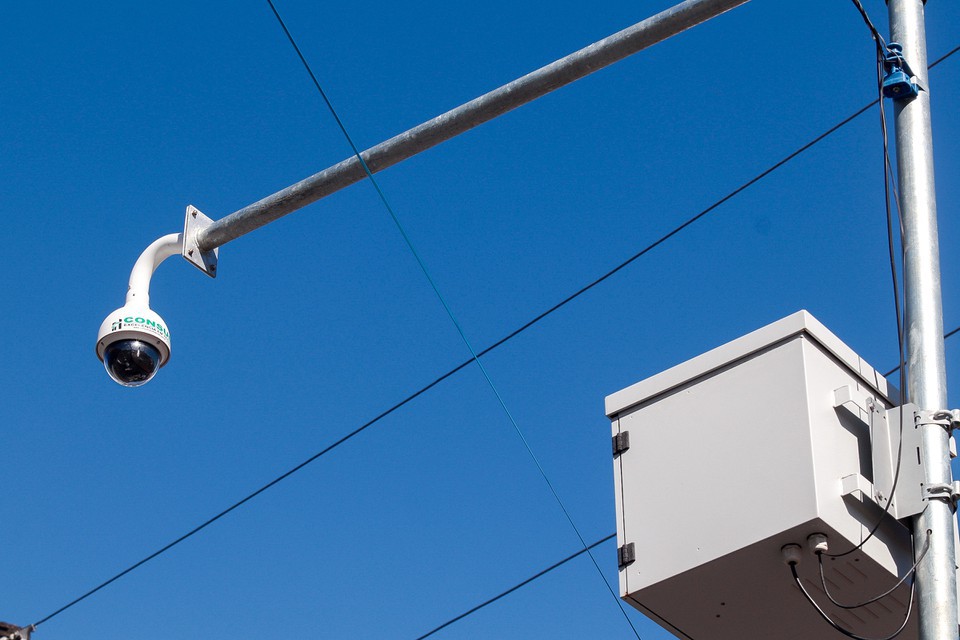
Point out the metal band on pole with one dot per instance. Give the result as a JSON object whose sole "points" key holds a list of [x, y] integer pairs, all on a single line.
{"points": [[465, 117], [926, 369]]}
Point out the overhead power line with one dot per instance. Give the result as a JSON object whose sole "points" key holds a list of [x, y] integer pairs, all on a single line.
{"points": [[897, 368], [456, 323], [889, 179], [453, 319], [503, 594], [483, 352], [571, 557]]}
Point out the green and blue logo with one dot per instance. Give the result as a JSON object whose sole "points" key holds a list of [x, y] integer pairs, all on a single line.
{"points": [[140, 322]]}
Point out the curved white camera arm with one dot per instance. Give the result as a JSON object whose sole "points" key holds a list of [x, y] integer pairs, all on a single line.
{"points": [[134, 341], [138, 291]]}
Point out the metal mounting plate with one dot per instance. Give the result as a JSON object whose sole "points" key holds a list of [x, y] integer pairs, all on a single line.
{"points": [[194, 222], [909, 497]]}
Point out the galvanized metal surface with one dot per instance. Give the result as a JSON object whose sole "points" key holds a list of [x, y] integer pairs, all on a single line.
{"points": [[465, 117], [926, 369]]}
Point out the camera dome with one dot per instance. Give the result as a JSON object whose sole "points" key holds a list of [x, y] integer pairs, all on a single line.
{"points": [[133, 343], [131, 362]]}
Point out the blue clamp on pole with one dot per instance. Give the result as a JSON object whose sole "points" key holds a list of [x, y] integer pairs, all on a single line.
{"points": [[898, 82]]}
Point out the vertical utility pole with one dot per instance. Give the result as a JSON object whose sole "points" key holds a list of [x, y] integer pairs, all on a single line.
{"points": [[925, 366]]}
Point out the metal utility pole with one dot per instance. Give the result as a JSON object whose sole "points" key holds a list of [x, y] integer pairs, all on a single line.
{"points": [[925, 366]]}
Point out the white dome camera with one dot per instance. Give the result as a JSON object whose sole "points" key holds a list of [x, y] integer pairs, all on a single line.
{"points": [[133, 344], [133, 341]]}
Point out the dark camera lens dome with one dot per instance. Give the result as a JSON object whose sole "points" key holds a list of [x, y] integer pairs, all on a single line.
{"points": [[131, 362]]}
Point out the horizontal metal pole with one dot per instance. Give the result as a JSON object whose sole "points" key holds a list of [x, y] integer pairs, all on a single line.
{"points": [[465, 117]]}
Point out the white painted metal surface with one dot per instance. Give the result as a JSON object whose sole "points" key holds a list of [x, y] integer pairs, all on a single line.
{"points": [[736, 453]]}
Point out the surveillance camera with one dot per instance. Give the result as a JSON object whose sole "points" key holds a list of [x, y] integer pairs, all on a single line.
{"points": [[133, 343]]}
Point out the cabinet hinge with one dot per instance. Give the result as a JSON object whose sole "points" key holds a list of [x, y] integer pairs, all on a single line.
{"points": [[626, 554], [621, 442]]}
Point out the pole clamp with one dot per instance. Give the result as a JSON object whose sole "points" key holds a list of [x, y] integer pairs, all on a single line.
{"points": [[944, 491], [948, 419]]}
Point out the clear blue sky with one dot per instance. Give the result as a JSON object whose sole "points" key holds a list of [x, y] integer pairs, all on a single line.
{"points": [[115, 116]]}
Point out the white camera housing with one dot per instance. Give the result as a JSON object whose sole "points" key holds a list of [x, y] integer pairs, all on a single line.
{"points": [[134, 341]]}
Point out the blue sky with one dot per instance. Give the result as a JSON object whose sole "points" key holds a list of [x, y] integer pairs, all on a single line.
{"points": [[116, 117]]}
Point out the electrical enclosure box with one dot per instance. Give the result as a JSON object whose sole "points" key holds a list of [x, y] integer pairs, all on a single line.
{"points": [[734, 454]]}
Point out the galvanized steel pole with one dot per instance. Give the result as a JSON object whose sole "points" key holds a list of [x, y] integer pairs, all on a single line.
{"points": [[465, 117], [926, 369]]}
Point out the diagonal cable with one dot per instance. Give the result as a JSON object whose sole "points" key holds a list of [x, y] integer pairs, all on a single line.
{"points": [[898, 367], [881, 43], [490, 348], [889, 179], [456, 323], [560, 563], [524, 583]]}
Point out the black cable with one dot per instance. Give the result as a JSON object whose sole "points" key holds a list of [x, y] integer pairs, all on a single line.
{"points": [[897, 305], [888, 183], [899, 368], [873, 30], [465, 363], [913, 569], [891, 244], [493, 346], [515, 587], [943, 57], [888, 180], [613, 535], [452, 317], [896, 474], [849, 634]]}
